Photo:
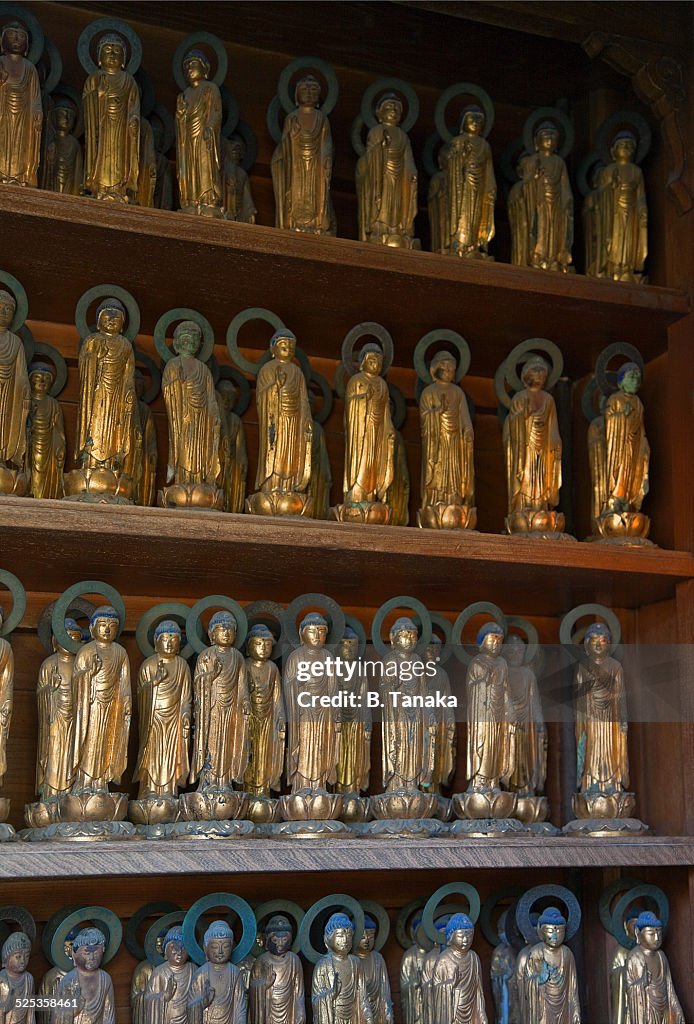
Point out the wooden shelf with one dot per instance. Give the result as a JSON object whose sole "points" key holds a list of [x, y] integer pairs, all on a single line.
{"points": [[145, 551], [246, 856], [321, 287]]}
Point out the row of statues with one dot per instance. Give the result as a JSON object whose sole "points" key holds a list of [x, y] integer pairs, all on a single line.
{"points": [[116, 445], [123, 164], [259, 979]]}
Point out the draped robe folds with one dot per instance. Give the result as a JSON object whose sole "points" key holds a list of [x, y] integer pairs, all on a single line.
{"points": [[601, 726], [411, 985], [111, 104], [504, 984], [107, 401], [386, 185], [550, 991], [471, 192], [355, 741], [370, 437], [597, 458], [46, 447], [21, 116], [147, 177], [99, 1008], [50, 981], [54, 765], [338, 994], [437, 207], [301, 167], [530, 734], [146, 469], [398, 494], [276, 993], [164, 707], [230, 1003], [448, 473], [428, 967], [518, 219], [623, 216], [198, 145], [285, 429], [163, 190], [651, 996], [618, 986], [63, 169], [194, 422], [407, 732], [321, 473], [220, 747], [233, 459], [15, 398], [457, 989], [627, 451], [549, 207], [157, 1008], [102, 705], [267, 719], [445, 737], [374, 973], [490, 740], [11, 1010], [313, 747], [138, 985], [533, 452], [592, 233], [6, 700], [238, 201]]}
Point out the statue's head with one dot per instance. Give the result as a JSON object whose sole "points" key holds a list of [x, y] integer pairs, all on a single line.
{"points": [[348, 647], [283, 345], [546, 138], [308, 92], [389, 109], [227, 392], [551, 927], [371, 359], [434, 648], [187, 338], [73, 631], [8, 306], [313, 630], [597, 640], [64, 115], [514, 650], [535, 373], [490, 639], [368, 940], [110, 316], [339, 933], [629, 378], [460, 931], [41, 377], [111, 51], [404, 634], [440, 925], [623, 148], [14, 38], [236, 148], [167, 637], [472, 120], [88, 948], [218, 943], [104, 624], [278, 935], [222, 629], [196, 67], [417, 933], [173, 947], [260, 642], [648, 929], [16, 951], [443, 367]]}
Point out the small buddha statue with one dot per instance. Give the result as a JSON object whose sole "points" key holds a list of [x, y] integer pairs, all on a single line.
{"points": [[163, 190], [169, 986], [547, 974], [545, 217], [527, 725], [198, 139], [238, 201], [338, 992], [471, 189], [63, 167], [21, 110], [15, 402], [437, 203], [277, 979], [145, 463], [445, 736], [355, 737], [16, 984], [267, 720], [623, 214], [6, 699], [147, 176], [372, 968], [217, 994], [85, 995], [46, 447], [411, 974], [233, 456], [53, 977], [651, 996], [458, 995], [503, 978]]}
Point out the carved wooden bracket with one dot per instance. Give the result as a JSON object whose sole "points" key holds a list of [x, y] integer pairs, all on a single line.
{"points": [[659, 83]]}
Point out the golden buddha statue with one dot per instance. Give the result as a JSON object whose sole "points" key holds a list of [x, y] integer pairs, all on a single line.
{"points": [[147, 177], [528, 727], [217, 994], [169, 986], [651, 996], [471, 191], [398, 494], [85, 995], [354, 764], [46, 446], [544, 217], [428, 967], [145, 468], [267, 720], [502, 973], [277, 979], [437, 204], [321, 480], [233, 456], [445, 738], [111, 103], [618, 975], [238, 201], [16, 984], [386, 179], [546, 975], [21, 111], [411, 974], [622, 213], [457, 980], [6, 706], [15, 402], [338, 992], [63, 167], [302, 165], [285, 431], [588, 182], [53, 977], [448, 472], [163, 189], [372, 968], [198, 139]]}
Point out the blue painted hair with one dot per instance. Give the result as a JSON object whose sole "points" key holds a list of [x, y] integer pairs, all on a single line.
{"points": [[261, 630], [551, 916], [404, 622], [336, 921], [625, 369], [647, 919], [313, 619], [167, 626], [458, 923], [104, 611], [174, 934], [283, 333], [111, 305], [598, 629], [488, 627], [223, 618]]}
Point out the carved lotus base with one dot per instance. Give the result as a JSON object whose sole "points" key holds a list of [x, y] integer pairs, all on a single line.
{"points": [[396, 240], [543, 828], [547, 525], [4, 808], [154, 810], [205, 830], [447, 517], [101, 486], [488, 828], [374, 512], [323, 829], [7, 833], [13, 481], [290, 504], [606, 828], [628, 528], [404, 803], [191, 496], [203, 210], [41, 814], [603, 805], [444, 808], [355, 808], [213, 805], [262, 809], [80, 831], [488, 803], [403, 828], [530, 809], [99, 807], [311, 805]]}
